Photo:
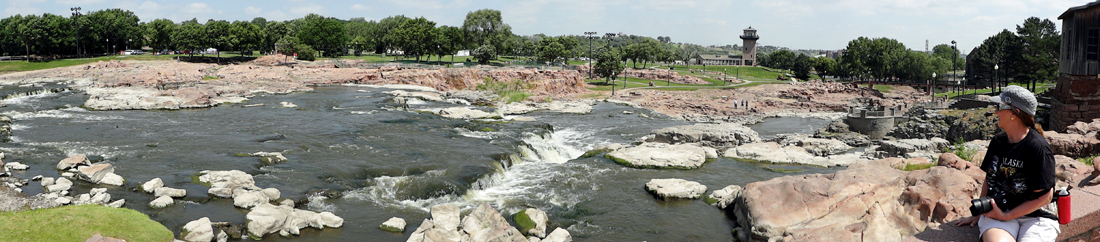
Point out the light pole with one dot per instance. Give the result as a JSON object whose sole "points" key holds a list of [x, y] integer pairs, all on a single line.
{"points": [[954, 73], [995, 81], [108, 45], [931, 84], [589, 36], [76, 15], [725, 76]]}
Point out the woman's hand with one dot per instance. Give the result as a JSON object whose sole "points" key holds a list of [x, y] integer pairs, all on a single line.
{"points": [[968, 221], [996, 213]]}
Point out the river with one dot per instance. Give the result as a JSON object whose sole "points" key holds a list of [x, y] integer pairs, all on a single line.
{"points": [[380, 162]]}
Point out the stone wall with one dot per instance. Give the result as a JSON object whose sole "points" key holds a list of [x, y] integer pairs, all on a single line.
{"points": [[1076, 98]]}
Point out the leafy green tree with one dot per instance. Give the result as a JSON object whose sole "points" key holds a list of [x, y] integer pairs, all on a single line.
{"points": [[687, 51], [246, 36], [782, 59], [824, 66], [217, 36], [325, 34], [1041, 43], [451, 40], [802, 66], [259, 21], [551, 50], [416, 37], [384, 36], [189, 36], [608, 64], [486, 27], [876, 58], [106, 30], [160, 32], [273, 32], [1004, 50], [360, 33], [484, 54]]}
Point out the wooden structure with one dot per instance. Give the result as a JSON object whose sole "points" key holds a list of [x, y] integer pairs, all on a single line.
{"points": [[748, 47], [1076, 97]]}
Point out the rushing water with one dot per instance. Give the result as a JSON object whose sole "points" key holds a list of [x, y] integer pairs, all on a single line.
{"points": [[385, 162]]}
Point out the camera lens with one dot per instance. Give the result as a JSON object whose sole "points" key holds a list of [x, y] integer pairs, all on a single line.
{"points": [[980, 206]]}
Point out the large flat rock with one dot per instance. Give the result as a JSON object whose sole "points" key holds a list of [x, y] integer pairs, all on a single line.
{"points": [[660, 155]]}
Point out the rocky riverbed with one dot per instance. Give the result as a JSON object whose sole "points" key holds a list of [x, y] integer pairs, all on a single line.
{"points": [[872, 198]]}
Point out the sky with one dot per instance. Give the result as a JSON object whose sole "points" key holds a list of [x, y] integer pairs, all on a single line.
{"points": [[795, 24]]}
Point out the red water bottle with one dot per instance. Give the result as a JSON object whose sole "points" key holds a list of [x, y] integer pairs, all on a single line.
{"points": [[1064, 214]]}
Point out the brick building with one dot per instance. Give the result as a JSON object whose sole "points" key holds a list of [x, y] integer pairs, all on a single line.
{"points": [[1076, 97]]}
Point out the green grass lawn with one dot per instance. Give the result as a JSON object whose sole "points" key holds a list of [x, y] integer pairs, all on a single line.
{"points": [[17, 66], [77, 223]]}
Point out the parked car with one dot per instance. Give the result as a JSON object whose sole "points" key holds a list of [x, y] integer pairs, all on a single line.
{"points": [[133, 52]]}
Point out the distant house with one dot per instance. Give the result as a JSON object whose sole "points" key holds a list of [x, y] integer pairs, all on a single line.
{"points": [[1076, 97]]}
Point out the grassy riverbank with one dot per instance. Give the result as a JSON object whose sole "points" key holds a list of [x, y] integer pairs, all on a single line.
{"points": [[77, 223]]}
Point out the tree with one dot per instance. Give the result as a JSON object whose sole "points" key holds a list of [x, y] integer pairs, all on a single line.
{"points": [[550, 50], [454, 38], [110, 28], [801, 66], [383, 35], [325, 34], [246, 36], [485, 27], [360, 33], [160, 32], [608, 64], [273, 32], [217, 36], [1004, 50], [484, 54], [877, 57], [189, 36], [416, 37], [782, 59], [687, 51], [1041, 43], [824, 66]]}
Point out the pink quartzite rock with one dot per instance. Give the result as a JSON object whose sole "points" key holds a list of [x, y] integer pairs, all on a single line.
{"points": [[73, 161], [869, 201]]}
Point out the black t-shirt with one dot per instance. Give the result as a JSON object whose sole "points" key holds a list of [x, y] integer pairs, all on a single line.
{"points": [[1015, 171]]}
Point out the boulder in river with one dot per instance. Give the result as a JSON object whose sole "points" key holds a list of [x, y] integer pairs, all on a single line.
{"points": [[482, 224], [168, 191], [675, 189], [660, 155], [198, 230], [714, 135], [152, 185], [462, 113], [394, 224], [161, 202], [73, 161], [532, 222], [774, 153], [724, 197], [267, 219], [270, 158]]}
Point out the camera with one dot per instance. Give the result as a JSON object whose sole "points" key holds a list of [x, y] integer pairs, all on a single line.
{"points": [[981, 205]]}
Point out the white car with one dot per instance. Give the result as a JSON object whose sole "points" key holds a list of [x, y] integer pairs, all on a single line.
{"points": [[133, 52]]}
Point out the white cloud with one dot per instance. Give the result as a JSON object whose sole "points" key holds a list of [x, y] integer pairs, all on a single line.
{"points": [[76, 2], [302, 11], [149, 6], [196, 8], [252, 10]]}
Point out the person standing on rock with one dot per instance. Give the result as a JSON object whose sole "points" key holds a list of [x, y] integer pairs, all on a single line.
{"points": [[1019, 176]]}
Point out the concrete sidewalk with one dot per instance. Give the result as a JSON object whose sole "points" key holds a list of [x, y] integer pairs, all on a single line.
{"points": [[1085, 225]]}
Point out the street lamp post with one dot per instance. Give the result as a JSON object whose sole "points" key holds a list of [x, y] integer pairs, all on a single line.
{"points": [[76, 15], [931, 84], [954, 72], [995, 81], [725, 77], [589, 36], [108, 45]]}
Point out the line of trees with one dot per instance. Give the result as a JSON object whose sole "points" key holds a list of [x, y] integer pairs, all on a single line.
{"points": [[1030, 55]]}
